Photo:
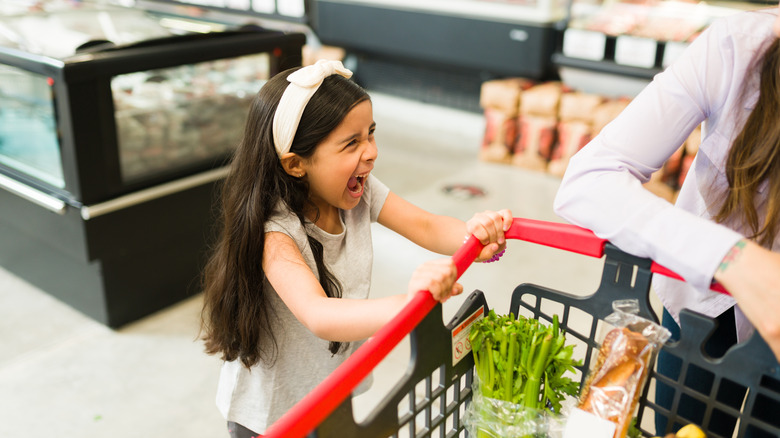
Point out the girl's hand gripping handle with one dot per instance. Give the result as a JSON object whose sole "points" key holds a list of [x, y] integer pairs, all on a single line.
{"points": [[556, 235]]}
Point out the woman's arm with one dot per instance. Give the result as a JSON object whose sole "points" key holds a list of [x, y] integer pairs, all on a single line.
{"points": [[602, 188], [752, 275], [338, 319], [444, 234]]}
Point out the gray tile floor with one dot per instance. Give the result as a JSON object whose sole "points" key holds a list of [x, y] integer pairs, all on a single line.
{"points": [[63, 375]]}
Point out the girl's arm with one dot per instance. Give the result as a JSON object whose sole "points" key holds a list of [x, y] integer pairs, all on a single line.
{"points": [[338, 319], [444, 234]]}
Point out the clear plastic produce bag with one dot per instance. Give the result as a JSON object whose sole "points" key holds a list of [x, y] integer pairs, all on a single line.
{"points": [[487, 417]]}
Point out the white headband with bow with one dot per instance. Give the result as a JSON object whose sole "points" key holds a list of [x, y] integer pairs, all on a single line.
{"points": [[303, 84]]}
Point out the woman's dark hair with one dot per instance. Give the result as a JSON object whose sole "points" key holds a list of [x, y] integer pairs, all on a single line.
{"points": [[236, 320], [754, 157]]}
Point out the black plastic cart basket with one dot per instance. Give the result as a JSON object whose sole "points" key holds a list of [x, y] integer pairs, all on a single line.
{"points": [[430, 399]]}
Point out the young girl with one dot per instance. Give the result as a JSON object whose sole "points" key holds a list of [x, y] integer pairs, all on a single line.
{"points": [[725, 223], [285, 291]]}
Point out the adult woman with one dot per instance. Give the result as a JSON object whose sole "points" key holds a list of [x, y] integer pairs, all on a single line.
{"points": [[725, 223]]}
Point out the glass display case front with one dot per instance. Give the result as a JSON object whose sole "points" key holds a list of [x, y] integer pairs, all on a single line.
{"points": [[173, 117], [62, 32], [28, 125], [98, 100], [115, 128], [290, 11]]}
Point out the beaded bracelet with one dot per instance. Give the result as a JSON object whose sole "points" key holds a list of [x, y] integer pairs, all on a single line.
{"points": [[492, 259], [495, 257]]}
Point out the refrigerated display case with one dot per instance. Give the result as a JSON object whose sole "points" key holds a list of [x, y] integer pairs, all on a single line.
{"points": [[432, 49], [115, 126], [615, 47], [280, 11]]}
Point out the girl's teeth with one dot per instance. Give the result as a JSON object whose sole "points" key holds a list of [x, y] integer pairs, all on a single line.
{"points": [[355, 184]]}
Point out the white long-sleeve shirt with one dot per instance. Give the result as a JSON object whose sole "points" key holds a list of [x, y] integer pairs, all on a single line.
{"points": [[602, 188]]}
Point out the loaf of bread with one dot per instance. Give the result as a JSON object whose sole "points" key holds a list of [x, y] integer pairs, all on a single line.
{"points": [[613, 388]]}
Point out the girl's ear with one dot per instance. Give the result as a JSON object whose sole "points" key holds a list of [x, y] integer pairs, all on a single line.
{"points": [[292, 164]]}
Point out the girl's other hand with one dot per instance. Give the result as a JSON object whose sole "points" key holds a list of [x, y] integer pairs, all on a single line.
{"points": [[752, 275], [489, 227], [438, 277]]}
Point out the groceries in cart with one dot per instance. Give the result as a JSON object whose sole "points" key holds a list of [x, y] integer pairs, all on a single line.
{"points": [[521, 379], [687, 431], [523, 385], [615, 382]]}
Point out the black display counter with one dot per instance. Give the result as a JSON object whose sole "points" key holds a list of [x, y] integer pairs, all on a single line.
{"points": [[111, 150]]}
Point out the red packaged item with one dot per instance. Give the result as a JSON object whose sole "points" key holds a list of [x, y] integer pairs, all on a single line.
{"points": [[573, 135], [503, 94], [500, 135], [534, 144]]}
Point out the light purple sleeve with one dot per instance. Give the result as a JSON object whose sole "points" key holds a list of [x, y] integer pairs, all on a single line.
{"points": [[602, 188]]}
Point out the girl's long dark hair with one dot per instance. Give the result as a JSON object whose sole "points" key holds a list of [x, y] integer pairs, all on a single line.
{"points": [[237, 320], [754, 157]]}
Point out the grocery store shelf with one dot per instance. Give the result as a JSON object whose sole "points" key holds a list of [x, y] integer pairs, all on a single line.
{"points": [[605, 66]]}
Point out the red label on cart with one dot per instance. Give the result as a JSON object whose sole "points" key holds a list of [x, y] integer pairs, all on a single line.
{"points": [[460, 336]]}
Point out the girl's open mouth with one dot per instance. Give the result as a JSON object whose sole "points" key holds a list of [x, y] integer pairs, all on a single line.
{"points": [[356, 183]]}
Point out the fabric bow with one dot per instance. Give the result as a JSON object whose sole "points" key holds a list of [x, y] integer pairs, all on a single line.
{"points": [[303, 84]]}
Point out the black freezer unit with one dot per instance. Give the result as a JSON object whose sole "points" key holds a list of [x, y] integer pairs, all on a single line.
{"points": [[441, 51], [114, 131]]}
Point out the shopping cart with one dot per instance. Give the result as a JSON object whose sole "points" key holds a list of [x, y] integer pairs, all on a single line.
{"points": [[430, 399]]}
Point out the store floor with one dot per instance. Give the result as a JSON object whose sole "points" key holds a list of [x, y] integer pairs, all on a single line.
{"points": [[63, 375]]}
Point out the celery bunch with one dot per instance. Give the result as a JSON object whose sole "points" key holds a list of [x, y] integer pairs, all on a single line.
{"points": [[522, 361]]}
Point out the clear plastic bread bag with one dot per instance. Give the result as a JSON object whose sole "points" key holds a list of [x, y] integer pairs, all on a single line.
{"points": [[615, 382]]}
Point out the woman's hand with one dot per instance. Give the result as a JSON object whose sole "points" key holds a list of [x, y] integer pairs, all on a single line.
{"points": [[752, 275], [437, 276], [489, 227]]}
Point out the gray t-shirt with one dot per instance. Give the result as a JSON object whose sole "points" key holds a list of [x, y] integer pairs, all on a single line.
{"points": [[258, 397]]}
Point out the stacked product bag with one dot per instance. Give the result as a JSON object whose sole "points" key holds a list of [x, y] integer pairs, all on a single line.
{"points": [[538, 121], [575, 127], [540, 126], [500, 101]]}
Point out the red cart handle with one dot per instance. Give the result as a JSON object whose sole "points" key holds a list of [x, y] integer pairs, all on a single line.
{"points": [[328, 395]]}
